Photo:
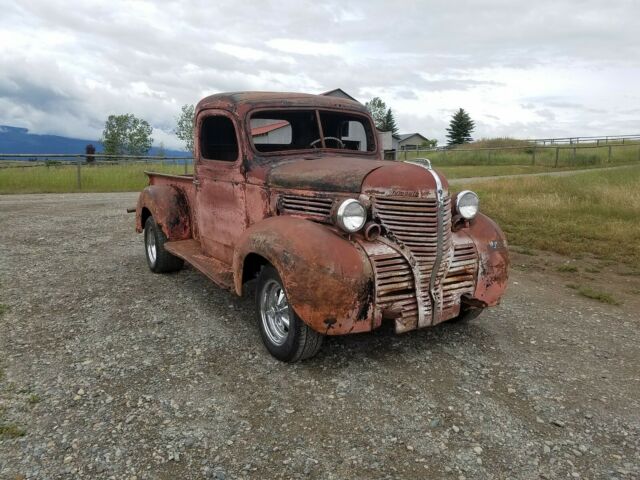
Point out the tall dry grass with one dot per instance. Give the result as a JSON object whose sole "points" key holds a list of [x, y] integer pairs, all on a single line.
{"points": [[593, 213]]}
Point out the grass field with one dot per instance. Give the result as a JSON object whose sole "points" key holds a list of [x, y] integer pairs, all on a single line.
{"points": [[585, 156], [591, 213], [469, 171], [63, 178]]}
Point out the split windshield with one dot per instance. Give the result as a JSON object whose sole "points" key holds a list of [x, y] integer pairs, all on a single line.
{"points": [[286, 130]]}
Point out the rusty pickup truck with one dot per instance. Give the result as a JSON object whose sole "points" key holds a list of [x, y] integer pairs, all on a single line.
{"points": [[291, 190]]}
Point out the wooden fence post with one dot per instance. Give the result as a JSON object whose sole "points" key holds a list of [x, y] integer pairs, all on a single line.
{"points": [[78, 175]]}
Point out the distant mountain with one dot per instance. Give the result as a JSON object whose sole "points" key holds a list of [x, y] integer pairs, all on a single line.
{"points": [[19, 140]]}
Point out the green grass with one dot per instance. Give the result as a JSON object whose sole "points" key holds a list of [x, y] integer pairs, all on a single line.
{"points": [[9, 430], [592, 213], [567, 268], [545, 158], [468, 171], [588, 292], [63, 178]]}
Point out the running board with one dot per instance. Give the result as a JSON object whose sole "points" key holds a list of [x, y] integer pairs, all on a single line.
{"points": [[190, 252]]}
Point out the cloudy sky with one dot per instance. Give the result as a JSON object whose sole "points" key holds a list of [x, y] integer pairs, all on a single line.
{"points": [[520, 68]]}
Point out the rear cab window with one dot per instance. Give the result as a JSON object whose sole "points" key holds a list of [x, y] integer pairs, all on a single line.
{"points": [[218, 139]]}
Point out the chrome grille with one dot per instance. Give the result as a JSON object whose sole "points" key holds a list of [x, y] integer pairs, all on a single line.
{"points": [[395, 287], [308, 206], [461, 276], [413, 222]]}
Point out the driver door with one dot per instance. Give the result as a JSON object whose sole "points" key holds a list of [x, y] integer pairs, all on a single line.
{"points": [[220, 185]]}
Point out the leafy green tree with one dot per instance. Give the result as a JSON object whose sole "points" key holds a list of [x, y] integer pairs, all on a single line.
{"points": [[184, 127], [389, 123], [378, 110], [126, 135], [460, 128], [430, 143]]}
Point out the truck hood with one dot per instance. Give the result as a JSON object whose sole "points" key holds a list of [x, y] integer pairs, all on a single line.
{"points": [[353, 175], [333, 174]]}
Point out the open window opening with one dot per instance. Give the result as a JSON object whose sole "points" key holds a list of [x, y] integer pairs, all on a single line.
{"points": [[218, 140]]}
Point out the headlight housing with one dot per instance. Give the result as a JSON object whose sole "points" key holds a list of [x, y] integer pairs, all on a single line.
{"points": [[467, 204], [351, 215]]}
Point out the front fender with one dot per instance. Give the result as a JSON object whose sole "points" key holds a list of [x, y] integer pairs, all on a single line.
{"points": [[328, 279], [493, 272], [169, 207]]}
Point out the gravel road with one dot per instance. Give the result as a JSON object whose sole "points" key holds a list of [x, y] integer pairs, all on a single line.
{"points": [[110, 371]]}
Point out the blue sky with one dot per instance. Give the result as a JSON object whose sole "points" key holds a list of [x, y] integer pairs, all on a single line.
{"points": [[521, 68]]}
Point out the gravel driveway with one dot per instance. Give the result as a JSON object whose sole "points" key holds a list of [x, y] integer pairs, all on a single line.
{"points": [[110, 371]]}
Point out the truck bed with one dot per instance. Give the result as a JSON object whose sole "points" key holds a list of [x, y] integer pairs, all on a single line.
{"points": [[188, 178]]}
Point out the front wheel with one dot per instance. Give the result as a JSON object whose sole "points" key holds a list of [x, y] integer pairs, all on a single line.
{"points": [[284, 334]]}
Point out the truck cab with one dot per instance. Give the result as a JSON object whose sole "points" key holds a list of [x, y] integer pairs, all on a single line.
{"points": [[291, 190]]}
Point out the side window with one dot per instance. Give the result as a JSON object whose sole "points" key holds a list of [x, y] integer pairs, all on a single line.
{"points": [[218, 139]]}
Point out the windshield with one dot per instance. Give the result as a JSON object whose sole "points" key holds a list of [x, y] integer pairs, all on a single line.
{"points": [[286, 130]]}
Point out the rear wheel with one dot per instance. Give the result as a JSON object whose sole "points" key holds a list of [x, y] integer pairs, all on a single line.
{"points": [[284, 334], [158, 259]]}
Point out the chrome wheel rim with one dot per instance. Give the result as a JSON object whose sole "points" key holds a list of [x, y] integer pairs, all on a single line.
{"points": [[274, 312], [150, 241]]}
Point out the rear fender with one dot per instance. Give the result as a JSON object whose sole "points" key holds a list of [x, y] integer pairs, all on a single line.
{"points": [[170, 209], [328, 279]]}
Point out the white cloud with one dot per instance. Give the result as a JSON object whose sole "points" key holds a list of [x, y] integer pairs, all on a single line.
{"points": [[521, 69]]}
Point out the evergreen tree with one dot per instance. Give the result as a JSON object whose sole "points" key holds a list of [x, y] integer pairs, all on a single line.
{"points": [[389, 123], [460, 128]]}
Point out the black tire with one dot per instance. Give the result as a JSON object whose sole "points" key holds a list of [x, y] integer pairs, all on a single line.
{"points": [[468, 315], [164, 261], [298, 341]]}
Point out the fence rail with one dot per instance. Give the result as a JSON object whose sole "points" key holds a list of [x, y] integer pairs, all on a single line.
{"points": [[78, 170], [515, 155], [80, 161], [577, 140]]}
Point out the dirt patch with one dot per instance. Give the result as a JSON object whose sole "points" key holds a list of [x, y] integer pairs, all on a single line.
{"points": [[108, 370]]}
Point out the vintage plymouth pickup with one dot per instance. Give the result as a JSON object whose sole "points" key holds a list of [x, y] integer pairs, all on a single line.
{"points": [[291, 190]]}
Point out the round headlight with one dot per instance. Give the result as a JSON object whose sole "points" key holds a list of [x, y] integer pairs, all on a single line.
{"points": [[351, 215], [467, 204]]}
